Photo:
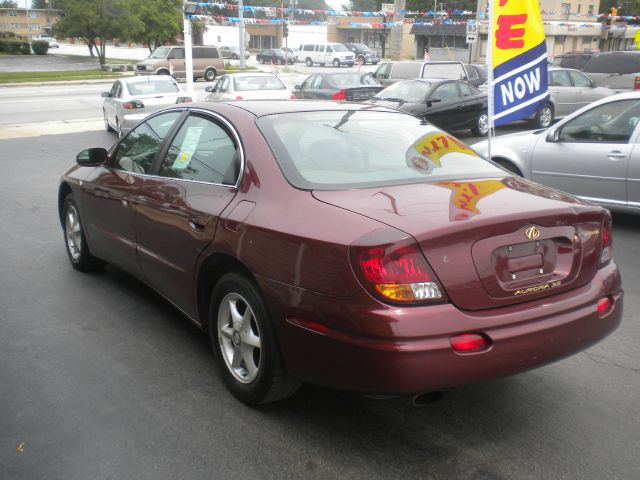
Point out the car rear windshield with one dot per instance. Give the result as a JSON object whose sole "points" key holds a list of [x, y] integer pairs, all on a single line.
{"points": [[338, 150], [408, 91], [614, 63], [346, 80], [443, 70], [259, 82], [152, 86]]}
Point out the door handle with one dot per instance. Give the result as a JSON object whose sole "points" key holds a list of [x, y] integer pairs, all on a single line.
{"points": [[616, 155], [197, 223]]}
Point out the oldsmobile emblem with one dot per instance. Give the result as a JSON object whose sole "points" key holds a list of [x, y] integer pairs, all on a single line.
{"points": [[532, 232]]}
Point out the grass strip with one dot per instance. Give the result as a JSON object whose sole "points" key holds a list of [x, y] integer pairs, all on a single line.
{"points": [[17, 77]]}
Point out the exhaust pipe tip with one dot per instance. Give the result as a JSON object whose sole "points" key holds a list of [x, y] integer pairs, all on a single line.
{"points": [[423, 398]]}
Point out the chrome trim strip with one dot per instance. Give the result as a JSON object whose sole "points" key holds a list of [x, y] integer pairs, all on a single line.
{"points": [[579, 176], [223, 120], [604, 200]]}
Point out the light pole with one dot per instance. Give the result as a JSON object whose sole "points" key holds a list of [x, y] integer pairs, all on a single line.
{"points": [[189, 9], [241, 34]]}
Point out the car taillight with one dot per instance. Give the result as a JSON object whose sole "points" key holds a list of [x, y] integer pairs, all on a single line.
{"points": [[184, 100], [238, 97], [607, 243], [339, 95], [391, 266], [132, 105], [293, 97], [636, 83]]}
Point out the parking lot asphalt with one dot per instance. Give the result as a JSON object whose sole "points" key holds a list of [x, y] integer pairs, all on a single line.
{"points": [[100, 378]]}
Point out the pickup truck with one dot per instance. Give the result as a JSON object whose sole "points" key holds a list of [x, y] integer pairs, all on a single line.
{"points": [[619, 71], [388, 73]]}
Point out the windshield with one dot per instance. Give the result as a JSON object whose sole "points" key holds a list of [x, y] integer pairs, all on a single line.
{"points": [[152, 86], [346, 80], [361, 46], [408, 91], [443, 70], [336, 150], [338, 47], [160, 52], [259, 82]]}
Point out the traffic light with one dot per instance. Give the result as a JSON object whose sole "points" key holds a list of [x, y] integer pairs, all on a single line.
{"points": [[285, 30]]}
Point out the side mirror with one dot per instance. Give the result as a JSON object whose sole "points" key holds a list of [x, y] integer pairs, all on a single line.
{"points": [[594, 84], [431, 100], [297, 87], [92, 157], [208, 89], [553, 136], [105, 94]]}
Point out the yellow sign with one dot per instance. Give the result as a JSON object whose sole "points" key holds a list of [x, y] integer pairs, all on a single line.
{"points": [[425, 154], [466, 195]]}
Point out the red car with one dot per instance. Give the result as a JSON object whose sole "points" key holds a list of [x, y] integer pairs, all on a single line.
{"points": [[345, 245]]}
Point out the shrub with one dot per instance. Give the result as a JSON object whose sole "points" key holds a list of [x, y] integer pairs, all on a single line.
{"points": [[14, 46], [40, 47]]}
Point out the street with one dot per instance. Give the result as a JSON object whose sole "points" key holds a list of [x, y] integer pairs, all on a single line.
{"points": [[101, 378]]}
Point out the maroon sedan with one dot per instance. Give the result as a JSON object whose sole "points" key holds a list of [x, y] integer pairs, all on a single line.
{"points": [[345, 245]]}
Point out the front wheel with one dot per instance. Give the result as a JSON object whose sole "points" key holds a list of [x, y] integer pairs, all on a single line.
{"points": [[336, 63], [481, 128], [243, 338], [234, 56], [544, 117], [75, 241], [362, 60], [308, 62], [209, 74]]}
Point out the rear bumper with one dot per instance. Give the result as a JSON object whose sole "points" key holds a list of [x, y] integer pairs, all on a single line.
{"points": [[369, 347]]}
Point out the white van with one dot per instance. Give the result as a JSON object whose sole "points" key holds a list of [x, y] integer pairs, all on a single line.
{"points": [[334, 53]]}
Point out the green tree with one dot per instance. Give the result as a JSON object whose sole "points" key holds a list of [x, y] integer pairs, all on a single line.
{"points": [[153, 22], [626, 8], [93, 20], [8, 4]]}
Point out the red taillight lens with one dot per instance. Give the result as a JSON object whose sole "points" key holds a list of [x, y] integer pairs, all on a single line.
{"points": [[607, 243], [133, 105], [468, 342], [238, 97], [636, 83], [293, 97], [339, 95], [604, 305], [390, 265]]}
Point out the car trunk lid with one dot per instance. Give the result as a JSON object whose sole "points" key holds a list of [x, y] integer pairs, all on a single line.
{"points": [[490, 242]]}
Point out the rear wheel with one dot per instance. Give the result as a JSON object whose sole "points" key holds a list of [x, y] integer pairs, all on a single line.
{"points": [[507, 165], [482, 125], [243, 338], [308, 62], [75, 241], [107, 127], [209, 74], [234, 56], [544, 117]]}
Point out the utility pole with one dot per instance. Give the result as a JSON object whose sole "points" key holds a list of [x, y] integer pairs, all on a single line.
{"points": [[384, 34], [241, 35], [188, 10]]}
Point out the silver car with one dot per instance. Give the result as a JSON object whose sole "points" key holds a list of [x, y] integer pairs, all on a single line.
{"points": [[593, 153], [248, 86], [569, 90], [132, 99]]}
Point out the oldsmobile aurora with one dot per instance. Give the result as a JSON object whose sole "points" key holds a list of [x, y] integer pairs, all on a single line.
{"points": [[345, 245]]}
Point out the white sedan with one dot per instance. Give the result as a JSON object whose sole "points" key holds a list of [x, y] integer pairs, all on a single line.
{"points": [[131, 99], [248, 86]]}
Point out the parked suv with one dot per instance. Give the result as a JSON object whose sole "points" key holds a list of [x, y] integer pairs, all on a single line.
{"points": [[391, 72], [169, 60], [363, 53], [575, 60], [322, 53], [619, 71]]}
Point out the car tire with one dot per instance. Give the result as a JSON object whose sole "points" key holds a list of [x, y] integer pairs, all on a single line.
{"points": [[209, 74], [107, 126], [308, 62], [481, 129], [75, 241], [234, 57], [261, 60], [162, 72], [361, 60], [118, 128], [283, 61], [336, 63], [544, 116], [245, 342]]}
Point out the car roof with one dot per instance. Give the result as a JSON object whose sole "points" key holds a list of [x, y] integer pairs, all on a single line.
{"points": [[261, 108], [250, 74], [148, 78]]}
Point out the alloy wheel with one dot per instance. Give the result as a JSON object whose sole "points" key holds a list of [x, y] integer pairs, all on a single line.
{"points": [[73, 232]]}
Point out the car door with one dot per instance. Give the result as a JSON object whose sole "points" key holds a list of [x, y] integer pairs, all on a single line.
{"points": [[176, 62], [588, 92], [109, 200], [382, 73], [565, 95], [591, 155], [448, 113], [111, 102], [179, 207], [474, 104], [224, 86], [633, 178], [310, 87]]}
